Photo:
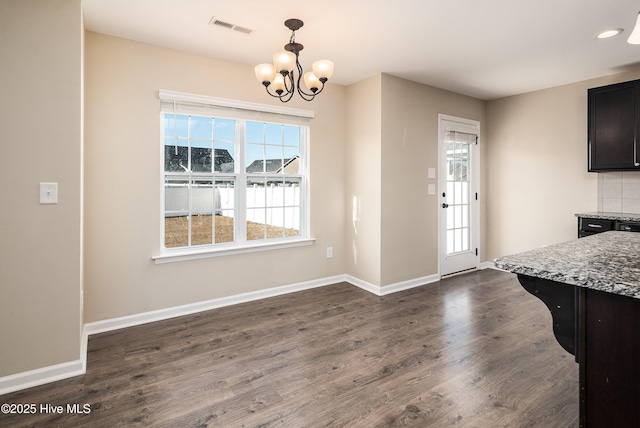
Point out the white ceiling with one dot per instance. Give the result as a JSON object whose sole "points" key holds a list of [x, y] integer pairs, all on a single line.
{"points": [[483, 48]]}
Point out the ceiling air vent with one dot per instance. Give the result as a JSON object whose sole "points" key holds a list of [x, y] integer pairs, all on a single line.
{"points": [[223, 24]]}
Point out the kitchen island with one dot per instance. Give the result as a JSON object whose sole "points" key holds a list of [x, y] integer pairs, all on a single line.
{"points": [[592, 289]]}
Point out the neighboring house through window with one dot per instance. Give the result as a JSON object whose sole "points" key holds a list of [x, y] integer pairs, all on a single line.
{"points": [[234, 174]]}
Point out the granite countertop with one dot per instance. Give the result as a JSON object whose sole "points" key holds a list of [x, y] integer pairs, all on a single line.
{"points": [[611, 216], [608, 261]]}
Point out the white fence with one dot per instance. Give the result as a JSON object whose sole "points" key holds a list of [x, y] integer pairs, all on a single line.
{"points": [[272, 205]]}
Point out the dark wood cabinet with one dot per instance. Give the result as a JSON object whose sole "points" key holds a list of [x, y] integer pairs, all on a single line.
{"points": [[602, 330], [614, 127], [590, 226], [609, 326]]}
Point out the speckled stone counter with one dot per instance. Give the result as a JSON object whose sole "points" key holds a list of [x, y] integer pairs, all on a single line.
{"points": [[591, 287], [611, 216], [608, 261]]}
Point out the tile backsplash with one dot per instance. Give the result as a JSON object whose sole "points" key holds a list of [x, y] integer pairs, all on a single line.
{"points": [[619, 192]]}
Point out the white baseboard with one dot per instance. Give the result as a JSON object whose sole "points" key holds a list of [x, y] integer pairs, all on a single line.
{"points": [[69, 369], [406, 285], [41, 376], [487, 265], [392, 288], [366, 286], [192, 308]]}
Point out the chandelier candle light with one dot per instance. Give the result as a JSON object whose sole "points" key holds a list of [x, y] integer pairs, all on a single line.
{"points": [[281, 76]]}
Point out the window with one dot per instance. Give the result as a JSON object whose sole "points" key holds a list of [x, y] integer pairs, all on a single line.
{"points": [[232, 177]]}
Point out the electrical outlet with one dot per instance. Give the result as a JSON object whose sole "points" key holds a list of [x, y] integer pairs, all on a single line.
{"points": [[329, 252]]}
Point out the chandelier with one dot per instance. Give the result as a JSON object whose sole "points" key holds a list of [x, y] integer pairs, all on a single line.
{"points": [[279, 78]]}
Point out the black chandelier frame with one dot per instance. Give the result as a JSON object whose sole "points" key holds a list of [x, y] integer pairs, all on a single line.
{"points": [[291, 83]]}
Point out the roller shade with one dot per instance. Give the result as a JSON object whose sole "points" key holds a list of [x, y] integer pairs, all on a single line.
{"points": [[461, 133], [462, 137], [201, 105]]}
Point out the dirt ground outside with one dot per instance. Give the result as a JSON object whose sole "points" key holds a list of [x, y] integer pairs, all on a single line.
{"points": [[176, 230]]}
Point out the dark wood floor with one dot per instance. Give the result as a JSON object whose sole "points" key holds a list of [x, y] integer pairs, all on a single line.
{"points": [[474, 350]]}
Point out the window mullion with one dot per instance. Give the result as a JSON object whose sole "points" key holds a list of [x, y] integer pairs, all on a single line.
{"points": [[214, 182], [189, 208], [190, 183], [241, 184], [304, 203]]}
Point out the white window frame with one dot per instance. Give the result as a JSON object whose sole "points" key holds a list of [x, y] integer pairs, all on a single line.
{"points": [[183, 103]]}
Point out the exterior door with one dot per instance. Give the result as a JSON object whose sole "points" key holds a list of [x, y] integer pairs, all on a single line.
{"points": [[458, 194]]}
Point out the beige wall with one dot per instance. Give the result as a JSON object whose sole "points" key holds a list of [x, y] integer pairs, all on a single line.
{"points": [[362, 216], [41, 138], [536, 169], [392, 139], [123, 183], [409, 238]]}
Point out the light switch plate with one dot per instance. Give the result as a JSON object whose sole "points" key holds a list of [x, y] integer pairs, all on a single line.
{"points": [[431, 189], [48, 193], [431, 173]]}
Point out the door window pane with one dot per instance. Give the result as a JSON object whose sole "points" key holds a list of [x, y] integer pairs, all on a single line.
{"points": [[458, 191]]}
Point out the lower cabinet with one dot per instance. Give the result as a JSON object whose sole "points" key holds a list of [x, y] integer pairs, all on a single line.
{"points": [[590, 226], [609, 347], [602, 331]]}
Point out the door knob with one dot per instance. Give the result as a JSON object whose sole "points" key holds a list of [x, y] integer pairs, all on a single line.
{"points": [[445, 205]]}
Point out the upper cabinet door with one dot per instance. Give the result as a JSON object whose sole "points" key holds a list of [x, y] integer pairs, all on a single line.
{"points": [[613, 127]]}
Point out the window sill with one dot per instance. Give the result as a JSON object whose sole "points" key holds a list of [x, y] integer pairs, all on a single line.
{"points": [[193, 254]]}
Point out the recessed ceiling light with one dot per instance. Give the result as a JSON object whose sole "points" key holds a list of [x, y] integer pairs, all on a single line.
{"points": [[609, 33]]}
